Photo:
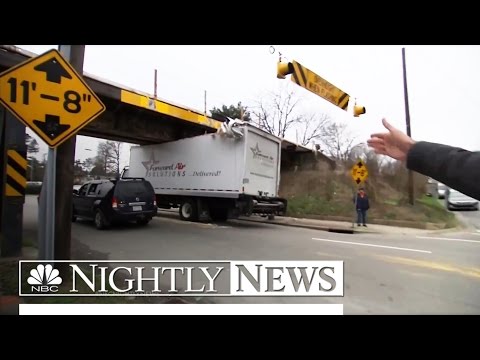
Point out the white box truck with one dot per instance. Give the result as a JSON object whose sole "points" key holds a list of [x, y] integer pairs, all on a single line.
{"points": [[233, 172]]}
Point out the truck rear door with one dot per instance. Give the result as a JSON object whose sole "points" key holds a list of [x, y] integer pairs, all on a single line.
{"points": [[261, 164]]}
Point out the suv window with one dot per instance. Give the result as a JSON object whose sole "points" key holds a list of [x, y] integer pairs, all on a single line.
{"points": [[105, 188], [92, 189], [126, 188], [83, 190]]}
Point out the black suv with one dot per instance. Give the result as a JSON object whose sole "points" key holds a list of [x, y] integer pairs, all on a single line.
{"points": [[108, 201]]}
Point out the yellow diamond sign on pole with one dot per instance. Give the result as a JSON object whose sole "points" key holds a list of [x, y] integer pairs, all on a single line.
{"points": [[49, 97], [359, 172]]}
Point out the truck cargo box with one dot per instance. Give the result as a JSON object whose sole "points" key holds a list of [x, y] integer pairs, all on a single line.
{"points": [[212, 164], [241, 163]]}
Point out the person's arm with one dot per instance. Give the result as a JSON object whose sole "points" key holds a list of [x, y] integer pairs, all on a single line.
{"points": [[455, 167]]}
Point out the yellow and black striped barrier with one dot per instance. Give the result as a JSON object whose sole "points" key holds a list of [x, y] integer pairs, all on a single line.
{"points": [[16, 173], [314, 83], [319, 86]]}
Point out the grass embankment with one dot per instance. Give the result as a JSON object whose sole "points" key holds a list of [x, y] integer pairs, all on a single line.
{"points": [[330, 196]]}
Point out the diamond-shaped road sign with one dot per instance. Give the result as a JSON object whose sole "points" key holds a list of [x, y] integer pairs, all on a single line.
{"points": [[359, 172], [50, 97]]}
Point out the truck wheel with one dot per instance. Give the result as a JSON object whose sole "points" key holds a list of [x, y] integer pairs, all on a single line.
{"points": [[188, 210]]}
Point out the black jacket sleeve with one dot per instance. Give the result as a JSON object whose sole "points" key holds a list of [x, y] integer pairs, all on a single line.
{"points": [[455, 167]]}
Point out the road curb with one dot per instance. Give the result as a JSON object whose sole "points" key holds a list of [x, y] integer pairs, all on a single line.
{"points": [[349, 229], [336, 229], [345, 230], [449, 230]]}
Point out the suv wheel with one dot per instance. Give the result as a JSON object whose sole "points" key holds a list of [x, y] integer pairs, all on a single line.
{"points": [[100, 220]]}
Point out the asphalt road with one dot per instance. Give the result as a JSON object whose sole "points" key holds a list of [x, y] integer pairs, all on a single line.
{"points": [[472, 218], [384, 274]]}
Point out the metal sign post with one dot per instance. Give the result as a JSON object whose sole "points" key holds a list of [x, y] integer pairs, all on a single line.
{"points": [[49, 239], [355, 191]]}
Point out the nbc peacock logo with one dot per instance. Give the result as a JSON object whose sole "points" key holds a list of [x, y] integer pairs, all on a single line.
{"points": [[44, 278]]}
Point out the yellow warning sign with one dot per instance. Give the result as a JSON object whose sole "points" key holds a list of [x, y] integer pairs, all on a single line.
{"points": [[49, 97], [359, 172]]}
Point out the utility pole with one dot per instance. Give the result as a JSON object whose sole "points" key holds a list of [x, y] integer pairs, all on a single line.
{"points": [[205, 102], [411, 196], [155, 85]]}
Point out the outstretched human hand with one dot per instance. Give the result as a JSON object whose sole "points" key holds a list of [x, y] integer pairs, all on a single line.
{"points": [[393, 143]]}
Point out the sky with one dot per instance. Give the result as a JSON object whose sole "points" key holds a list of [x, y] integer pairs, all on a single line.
{"points": [[443, 83]]}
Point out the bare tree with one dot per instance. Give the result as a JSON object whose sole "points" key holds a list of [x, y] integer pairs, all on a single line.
{"points": [[115, 150], [276, 112], [358, 151], [32, 144], [104, 158], [89, 164], [312, 127], [373, 162], [336, 141]]}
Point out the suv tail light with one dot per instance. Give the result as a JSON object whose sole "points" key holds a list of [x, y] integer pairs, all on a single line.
{"points": [[114, 202], [154, 200]]}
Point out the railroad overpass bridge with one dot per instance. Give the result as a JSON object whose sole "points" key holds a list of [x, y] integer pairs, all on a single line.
{"points": [[131, 116]]}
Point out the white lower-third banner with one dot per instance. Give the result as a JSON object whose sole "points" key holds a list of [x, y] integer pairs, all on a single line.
{"points": [[181, 309]]}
